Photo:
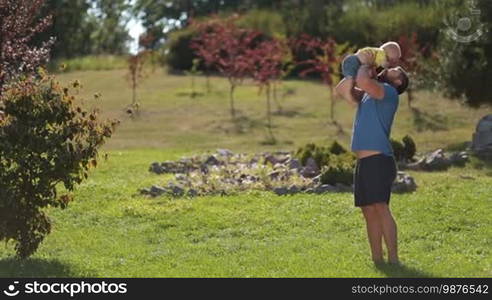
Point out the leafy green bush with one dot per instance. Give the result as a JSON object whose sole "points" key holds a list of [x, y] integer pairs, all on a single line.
{"points": [[336, 163], [337, 149], [46, 139], [410, 148], [178, 54], [339, 170], [404, 150]]}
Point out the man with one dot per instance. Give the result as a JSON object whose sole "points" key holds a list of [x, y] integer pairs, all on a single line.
{"points": [[377, 102]]}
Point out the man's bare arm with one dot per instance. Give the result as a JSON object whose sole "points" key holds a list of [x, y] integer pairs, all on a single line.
{"points": [[369, 85]]}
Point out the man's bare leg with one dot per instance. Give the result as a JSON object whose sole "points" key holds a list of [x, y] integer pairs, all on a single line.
{"points": [[389, 231], [374, 232]]}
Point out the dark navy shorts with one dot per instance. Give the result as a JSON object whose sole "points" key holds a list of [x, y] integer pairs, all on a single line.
{"points": [[350, 66], [373, 179]]}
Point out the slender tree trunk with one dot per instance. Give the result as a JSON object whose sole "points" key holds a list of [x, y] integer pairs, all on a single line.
{"points": [[332, 105], [193, 94], [207, 78], [410, 98], [275, 98], [269, 113], [134, 88], [231, 98]]}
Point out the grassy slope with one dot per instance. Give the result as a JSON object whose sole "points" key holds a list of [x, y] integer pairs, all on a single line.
{"points": [[445, 227]]}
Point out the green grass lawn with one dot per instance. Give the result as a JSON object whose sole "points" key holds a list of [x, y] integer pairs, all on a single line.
{"points": [[445, 227]]}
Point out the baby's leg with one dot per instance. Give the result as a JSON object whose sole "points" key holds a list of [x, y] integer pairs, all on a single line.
{"points": [[350, 67]]}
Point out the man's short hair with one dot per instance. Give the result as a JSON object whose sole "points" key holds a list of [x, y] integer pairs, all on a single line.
{"points": [[404, 81]]}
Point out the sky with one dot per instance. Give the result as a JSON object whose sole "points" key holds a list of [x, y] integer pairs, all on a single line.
{"points": [[135, 29]]}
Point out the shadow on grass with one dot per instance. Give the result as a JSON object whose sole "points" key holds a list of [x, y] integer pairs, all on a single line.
{"points": [[401, 271], [34, 267], [424, 121]]}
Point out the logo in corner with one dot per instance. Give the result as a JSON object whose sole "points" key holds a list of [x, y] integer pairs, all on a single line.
{"points": [[11, 291]]}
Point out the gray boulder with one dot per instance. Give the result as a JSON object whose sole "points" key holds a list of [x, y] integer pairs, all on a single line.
{"points": [[157, 191], [156, 167], [225, 152], [311, 169], [295, 164], [325, 188], [482, 138], [404, 183], [281, 191], [212, 161]]}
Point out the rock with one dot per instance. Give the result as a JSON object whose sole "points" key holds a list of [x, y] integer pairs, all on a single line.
{"points": [[181, 177], [436, 161], [271, 159], [459, 158], [145, 192], [175, 190], [274, 175], [294, 189], [343, 188], [311, 169], [404, 183], [192, 193], [281, 191], [482, 138], [325, 188], [156, 167], [204, 169], [156, 191], [309, 191], [225, 152], [295, 164], [212, 161], [317, 179]]}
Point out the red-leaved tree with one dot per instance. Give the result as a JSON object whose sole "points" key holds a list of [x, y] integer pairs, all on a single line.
{"points": [[411, 56], [20, 21], [225, 46], [267, 61], [323, 60]]}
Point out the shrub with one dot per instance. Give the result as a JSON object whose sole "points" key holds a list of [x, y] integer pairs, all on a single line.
{"points": [[46, 139], [337, 149], [404, 150], [410, 148], [339, 170]]}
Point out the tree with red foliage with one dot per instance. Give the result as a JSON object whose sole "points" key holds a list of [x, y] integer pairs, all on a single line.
{"points": [[324, 59], [267, 61], [225, 46], [411, 55], [20, 21]]}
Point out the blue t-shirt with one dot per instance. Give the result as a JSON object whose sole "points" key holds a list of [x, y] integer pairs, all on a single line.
{"points": [[373, 121]]}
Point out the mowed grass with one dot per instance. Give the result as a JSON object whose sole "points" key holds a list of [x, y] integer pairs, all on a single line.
{"points": [[110, 230], [444, 230]]}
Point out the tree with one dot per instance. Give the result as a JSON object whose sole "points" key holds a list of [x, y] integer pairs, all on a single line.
{"points": [[324, 61], [411, 57], [20, 21], [134, 76], [46, 139], [267, 60], [227, 46]]}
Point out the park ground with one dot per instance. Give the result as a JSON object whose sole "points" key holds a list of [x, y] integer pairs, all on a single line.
{"points": [[445, 229]]}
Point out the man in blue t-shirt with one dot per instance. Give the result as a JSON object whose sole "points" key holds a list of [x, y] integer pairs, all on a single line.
{"points": [[376, 98]]}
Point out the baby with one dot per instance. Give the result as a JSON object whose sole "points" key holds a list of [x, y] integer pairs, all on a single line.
{"points": [[386, 56]]}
